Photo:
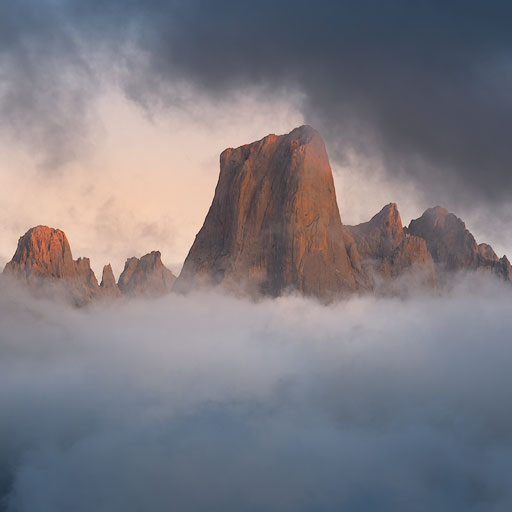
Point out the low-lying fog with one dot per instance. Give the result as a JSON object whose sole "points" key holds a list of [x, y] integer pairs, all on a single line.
{"points": [[210, 403]]}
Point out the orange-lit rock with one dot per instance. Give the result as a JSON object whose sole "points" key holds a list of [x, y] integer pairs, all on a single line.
{"points": [[42, 252], [44, 262], [274, 224]]}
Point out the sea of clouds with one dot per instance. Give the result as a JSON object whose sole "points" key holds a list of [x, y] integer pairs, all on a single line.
{"points": [[212, 403]]}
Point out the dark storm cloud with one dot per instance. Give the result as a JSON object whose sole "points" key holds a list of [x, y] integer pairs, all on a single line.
{"points": [[423, 86], [45, 84]]}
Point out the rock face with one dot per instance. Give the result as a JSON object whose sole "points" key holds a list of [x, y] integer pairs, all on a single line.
{"points": [[453, 247], [146, 276], [386, 249], [108, 283], [488, 261], [42, 252], [486, 253], [274, 224], [448, 241], [43, 260], [274, 227]]}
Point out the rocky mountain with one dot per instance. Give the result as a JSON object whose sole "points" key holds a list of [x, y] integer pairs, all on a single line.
{"points": [[453, 247], [448, 240], [274, 224], [146, 276], [108, 283], [387, 250], [274, 227], [488, 261], [43, 261]]}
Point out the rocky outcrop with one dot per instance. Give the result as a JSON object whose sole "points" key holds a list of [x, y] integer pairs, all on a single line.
{"points": [[504, 269], [274, 224], [108, 283], [388, 250], [448, 241], [42, 252], [489, 261], [454, 248], [146, 277], [486, 254], [44, 262]]}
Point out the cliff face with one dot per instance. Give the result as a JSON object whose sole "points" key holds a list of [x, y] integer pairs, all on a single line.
{"points": [[453, 247], [489, 261], [389, 251], [273, 228], [108, 283], [43, 260], [274, 224], [448, 241], [146, 276]]}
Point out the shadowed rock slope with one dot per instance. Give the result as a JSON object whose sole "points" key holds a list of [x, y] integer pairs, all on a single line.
{"points": [[387, 250], [274, 224], [146, 276], [108, 283], [453, 247]]}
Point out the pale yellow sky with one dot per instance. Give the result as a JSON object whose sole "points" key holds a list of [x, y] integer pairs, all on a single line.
{"points": [[146, 181]]}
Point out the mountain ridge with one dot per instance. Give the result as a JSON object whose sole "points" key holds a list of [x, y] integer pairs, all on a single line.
{"points": [[43, 262], [274, 228]]}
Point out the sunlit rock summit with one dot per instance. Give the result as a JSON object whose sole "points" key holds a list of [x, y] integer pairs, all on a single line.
{"points": [[43, 261], [274, 225]]}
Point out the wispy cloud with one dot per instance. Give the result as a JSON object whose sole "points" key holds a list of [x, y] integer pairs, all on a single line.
{"points": [[206, 402]]}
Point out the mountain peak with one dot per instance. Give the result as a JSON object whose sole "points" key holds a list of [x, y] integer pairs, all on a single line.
{"points": [[42, 251], [388, 218], [274, 223], [108, 282], [387, 250], [303, 134], [43, 260], [448, 240], [146, 276]]}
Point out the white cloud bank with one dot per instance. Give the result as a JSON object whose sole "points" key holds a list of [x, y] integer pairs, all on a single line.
{"points": [[212, 403]]}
